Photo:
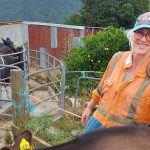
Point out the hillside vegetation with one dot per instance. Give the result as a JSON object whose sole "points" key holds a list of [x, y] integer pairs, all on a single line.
{"points": [[53, 11]]}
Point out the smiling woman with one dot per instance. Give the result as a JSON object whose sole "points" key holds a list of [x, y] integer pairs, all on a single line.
{"points": [[123, 94], [142, 41]]}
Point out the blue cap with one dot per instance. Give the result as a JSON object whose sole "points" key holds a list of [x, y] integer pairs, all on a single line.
{"points": [[143, 21]]}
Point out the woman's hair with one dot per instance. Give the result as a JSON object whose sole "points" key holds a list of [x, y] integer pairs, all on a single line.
{"points": [[129, 36]]}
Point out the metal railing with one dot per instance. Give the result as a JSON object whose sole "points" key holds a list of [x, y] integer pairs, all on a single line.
{"points": [[4, 84], [55, 76]]}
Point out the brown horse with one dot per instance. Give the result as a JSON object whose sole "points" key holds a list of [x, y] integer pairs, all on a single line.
{"points": [[114, 138]]}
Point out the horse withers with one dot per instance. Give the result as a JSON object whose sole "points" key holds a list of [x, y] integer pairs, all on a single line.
{"points": [[113, 138]]}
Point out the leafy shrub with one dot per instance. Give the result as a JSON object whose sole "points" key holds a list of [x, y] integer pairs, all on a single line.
{"points": [[85, 85], [97, 50], [95, 54], [40, 126]]}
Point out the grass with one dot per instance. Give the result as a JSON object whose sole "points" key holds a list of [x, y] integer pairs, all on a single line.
{"points": [[8, 137], [61, 130]]}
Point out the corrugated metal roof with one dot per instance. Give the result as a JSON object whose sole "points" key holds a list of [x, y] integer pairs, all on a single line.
{"points": [[87, 27], [11, 22], [54, 25]]}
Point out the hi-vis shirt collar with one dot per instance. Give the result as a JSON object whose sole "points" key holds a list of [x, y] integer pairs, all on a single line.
{"points": [[142, 72], [128, 62]]}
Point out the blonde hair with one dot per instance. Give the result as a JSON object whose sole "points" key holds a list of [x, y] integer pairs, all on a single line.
{"points": [[130, 38], [130, 35]]}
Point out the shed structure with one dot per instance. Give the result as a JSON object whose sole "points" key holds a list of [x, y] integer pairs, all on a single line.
{"points": [[15, 30], [57, 39]]}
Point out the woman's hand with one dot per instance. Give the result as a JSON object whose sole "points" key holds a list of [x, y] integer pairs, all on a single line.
{"points": [[85, 116], [87, 112]]}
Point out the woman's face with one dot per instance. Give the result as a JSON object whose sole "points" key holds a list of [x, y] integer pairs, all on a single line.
{"points": [[141, 41]]}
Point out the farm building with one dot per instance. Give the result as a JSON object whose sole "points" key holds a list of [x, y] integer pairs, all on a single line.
{"points": [[46, 43], [43, 88], [55, 38], [16, 30]]}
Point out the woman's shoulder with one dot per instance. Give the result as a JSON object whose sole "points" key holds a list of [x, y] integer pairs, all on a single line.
{"points": [[121, 53], [119, 56]]}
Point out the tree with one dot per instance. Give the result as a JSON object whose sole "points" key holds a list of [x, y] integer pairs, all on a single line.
{"points": [[99, 12], [119, 13], [97, 50], [125, 17], [94, 55], [73, 19]]}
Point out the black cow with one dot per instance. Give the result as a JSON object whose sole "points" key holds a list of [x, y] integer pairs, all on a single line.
{"points": [[9, 43], [7, 47], [114, 138]]}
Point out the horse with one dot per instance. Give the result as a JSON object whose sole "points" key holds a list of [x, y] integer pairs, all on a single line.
{"points": [[7, 47], [113, 138]]}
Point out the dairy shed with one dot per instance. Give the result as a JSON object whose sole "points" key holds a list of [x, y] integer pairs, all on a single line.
{"points": [[15, 30], [57, 38]]}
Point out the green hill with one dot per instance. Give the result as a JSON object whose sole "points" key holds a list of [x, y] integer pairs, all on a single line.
{"points": [[53, 11]]}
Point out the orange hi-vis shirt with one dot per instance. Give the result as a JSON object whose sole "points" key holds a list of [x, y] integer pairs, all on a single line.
{"points": [[123, 102]]}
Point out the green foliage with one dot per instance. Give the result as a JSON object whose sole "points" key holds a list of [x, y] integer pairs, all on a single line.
{"points": [[54, 11], [66, 125], [99, 13], [41, 125], [37, 123], [8, 137], [73, 19], [85, 85], [126, 18], [119, 13], [58, 138], [149, 7], [97, 50], [94, 55]]}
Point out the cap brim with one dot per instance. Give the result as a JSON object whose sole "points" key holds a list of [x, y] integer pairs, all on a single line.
{"points": [[141, 27]]}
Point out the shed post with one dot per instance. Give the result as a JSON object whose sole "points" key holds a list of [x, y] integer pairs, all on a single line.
{"points": [[43, 57], [17, 89], [0, 89]]}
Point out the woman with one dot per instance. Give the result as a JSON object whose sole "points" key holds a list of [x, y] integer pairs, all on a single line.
{"points": [[123, 95]]}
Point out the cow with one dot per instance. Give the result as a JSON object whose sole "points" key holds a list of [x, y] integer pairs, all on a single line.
{"points": [[9, 55], [9, 43], [7, 47], [113, 138], [24, 135]]}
